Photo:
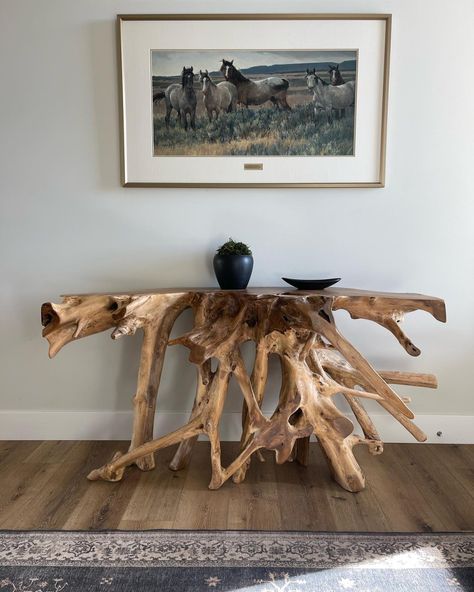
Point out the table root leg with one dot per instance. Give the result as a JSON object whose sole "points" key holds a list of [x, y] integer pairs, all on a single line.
{"points": [[183, 453], [114, 470]]}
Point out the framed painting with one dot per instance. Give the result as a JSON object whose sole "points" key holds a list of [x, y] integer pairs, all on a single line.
{"points": [[254, 100]]}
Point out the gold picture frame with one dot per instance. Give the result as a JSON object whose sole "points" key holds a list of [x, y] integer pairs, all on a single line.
{"points": [[378, 182]]}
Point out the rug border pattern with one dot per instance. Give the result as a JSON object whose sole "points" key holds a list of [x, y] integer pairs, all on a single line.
{"points": [[236, 548]]}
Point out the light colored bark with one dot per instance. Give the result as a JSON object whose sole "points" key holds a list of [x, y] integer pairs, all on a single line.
{"points": [[317, 363]]}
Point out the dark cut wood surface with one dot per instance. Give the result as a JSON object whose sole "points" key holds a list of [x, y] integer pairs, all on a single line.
{"points": [[411, 487]]}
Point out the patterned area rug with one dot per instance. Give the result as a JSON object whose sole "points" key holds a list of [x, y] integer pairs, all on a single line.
{"points": [[218, 561]]}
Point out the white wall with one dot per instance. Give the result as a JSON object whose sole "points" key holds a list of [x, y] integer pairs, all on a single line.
{"points": [[68, 226]]}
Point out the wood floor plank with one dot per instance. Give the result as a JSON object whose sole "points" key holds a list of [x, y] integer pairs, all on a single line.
{"points": [[149, 524], [399, 502], [461, 467], [7, 448], [70, 486], [440, 487], [295, 498], [15, 456], [371, 509], [415, 487], [198, 508], [411, 459], [13, 490], [21, 509], [254, 503], [459, 456], [102, 503], [319, 489], [52, 452], [156, 501], [333, 508], [459, 460]]}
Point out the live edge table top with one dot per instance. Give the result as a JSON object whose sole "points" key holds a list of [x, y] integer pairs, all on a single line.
{"points": [[262, 291], [388, 300]]}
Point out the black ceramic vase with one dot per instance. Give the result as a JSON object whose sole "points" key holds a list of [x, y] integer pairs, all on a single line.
{"points": [[233, 271]]}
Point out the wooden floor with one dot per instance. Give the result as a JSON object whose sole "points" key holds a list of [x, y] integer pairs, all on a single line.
{"points": [[410, 487]]}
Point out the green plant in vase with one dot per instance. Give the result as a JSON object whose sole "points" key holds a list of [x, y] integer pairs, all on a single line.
{"points": [[233, 264]]}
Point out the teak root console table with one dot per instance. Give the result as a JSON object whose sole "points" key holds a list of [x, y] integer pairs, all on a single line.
{"points": [[317, 362]]}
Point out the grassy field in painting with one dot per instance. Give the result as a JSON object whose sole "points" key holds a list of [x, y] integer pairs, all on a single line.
{"points": [[257, 131]]}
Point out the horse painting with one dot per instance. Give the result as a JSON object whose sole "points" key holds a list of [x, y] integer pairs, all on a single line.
{"points": [[182, 98], [327, 97], [251, 92], [218, 98], [277, 112]]}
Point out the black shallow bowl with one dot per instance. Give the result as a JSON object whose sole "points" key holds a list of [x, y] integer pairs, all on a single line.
{"points": [[311, 284]]}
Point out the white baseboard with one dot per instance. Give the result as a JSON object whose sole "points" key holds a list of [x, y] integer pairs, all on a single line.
{"points": [[116, 425]]}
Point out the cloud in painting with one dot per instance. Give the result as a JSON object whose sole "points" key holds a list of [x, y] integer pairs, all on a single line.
{"points": [[170, 63]]}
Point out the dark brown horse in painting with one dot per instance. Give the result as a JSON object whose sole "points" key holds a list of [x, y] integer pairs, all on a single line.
{"points": [[182, 98], [336, 79], [257, 92]]}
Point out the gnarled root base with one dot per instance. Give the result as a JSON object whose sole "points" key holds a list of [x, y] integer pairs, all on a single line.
{"points": [[317, 363], [146, 463], [114, 470], [109, 472]]}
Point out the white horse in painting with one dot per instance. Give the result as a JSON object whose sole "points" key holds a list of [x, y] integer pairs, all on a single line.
{"points": [[327, 97], [217, 97]]}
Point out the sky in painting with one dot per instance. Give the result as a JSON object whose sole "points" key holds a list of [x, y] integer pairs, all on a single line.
{"points": [[170, 63]]}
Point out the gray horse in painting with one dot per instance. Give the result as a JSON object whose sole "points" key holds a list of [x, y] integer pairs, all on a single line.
{"points": [[257, 92], [217, 97], [327, 97], [182, 98]]}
